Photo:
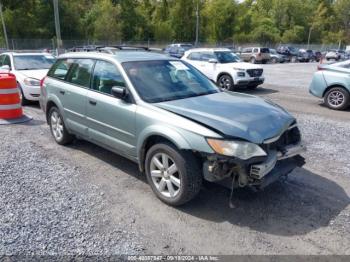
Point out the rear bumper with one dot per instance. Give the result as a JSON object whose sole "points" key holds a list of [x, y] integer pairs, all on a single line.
{"points": [[31, 92]]}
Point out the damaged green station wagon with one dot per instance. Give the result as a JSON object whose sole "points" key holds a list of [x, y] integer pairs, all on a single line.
{"points": [[169, 118]]}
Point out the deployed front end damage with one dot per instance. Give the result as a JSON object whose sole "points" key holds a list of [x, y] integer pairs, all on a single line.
{"points": [[282, 157]]}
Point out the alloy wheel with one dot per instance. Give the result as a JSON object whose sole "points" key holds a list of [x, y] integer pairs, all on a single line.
{"points": [[56, 125], [336, 98], [165, 175], [225, 82]]}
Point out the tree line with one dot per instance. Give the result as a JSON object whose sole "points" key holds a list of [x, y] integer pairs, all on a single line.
{"points": [[220, 21]]}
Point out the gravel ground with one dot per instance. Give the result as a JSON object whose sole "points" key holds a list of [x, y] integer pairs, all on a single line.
{"points": [[82, 199], [48, 208]]}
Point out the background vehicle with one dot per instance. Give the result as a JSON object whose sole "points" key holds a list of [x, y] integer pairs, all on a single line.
{"points": [[303, 56], [225, 68], [331, 82], [276, 57], [177, 50], [289, 51], [169, 118], [334, 54], [255, 55], [29, 69]]}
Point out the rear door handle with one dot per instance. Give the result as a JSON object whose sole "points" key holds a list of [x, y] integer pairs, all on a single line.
{"points": [[92, 102], [62, 92]]}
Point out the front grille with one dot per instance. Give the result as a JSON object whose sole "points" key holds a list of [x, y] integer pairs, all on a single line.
{"points": [[289, 137], [254, 72]]}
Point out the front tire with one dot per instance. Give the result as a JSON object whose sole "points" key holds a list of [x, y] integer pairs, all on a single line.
{"points": [[24, 100], [175, 176], [337, 98], [225, 82], [58, 128]]}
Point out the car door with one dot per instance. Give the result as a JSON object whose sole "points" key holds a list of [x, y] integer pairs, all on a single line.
{"points": [[111, 121], [72, 89], [206, 67], [194, 58]]}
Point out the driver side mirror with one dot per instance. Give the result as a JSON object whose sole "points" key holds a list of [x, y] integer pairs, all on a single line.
{"points": [[5, 68], [213, 61], [119, 92]]}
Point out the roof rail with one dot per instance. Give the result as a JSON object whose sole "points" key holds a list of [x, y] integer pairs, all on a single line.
{"points": [[131, 47]]}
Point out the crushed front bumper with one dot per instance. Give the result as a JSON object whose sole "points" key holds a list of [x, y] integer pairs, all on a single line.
{"points": [[258, 173]]}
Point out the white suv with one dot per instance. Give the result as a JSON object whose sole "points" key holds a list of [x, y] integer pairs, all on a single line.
{"points": [[225, 68], [29, 69]]}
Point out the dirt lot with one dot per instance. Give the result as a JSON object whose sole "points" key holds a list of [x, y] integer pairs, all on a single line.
{"points": [[82, 199]]}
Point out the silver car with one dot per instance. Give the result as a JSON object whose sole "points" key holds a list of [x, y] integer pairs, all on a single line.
{"points": [[163, 114]]}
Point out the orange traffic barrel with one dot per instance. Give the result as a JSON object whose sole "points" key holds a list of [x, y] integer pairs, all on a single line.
{"points": [[10, 103]]}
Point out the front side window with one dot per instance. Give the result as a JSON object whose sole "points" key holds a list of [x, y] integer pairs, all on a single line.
{"points": [[106, 76], [33, 62], [80, 71], [164, 80], [206, 56], [226, 57], [7, 61]]}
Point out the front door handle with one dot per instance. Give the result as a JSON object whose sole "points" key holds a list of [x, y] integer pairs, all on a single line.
{"points": [[62, 92], [92, 102]]}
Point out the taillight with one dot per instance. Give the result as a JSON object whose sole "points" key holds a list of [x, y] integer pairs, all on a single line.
{"points": [[319, 67], [259, 54], [42, 82]]}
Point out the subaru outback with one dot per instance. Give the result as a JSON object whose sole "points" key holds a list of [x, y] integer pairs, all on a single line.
{"points": [[166, 116]]}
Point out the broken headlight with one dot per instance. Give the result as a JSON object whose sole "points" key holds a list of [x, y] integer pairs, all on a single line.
{"points": [[239, 149]]}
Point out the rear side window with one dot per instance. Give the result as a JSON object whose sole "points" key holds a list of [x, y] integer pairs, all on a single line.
{"points": [[80, 72], [59, 69], [256, 50], [106, 76]]}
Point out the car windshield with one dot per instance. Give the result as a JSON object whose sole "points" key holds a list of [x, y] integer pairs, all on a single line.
{"points": [[33, 62], [166, 80], [226, 57]]}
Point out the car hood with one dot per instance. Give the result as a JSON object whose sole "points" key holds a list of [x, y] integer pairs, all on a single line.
{"points": [[234, 115], [37, 74]]}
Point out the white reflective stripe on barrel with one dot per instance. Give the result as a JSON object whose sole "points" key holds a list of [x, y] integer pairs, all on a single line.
{"points": [[9, 107], [9, 91]]}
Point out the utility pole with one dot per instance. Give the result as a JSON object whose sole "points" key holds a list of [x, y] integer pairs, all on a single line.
{"points": [[197, 23], [4, 27], [308, 39], [57, 23]]}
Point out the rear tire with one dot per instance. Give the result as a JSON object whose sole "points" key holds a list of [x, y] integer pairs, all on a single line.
{"points": [[337, 98], [58, 128], [175, 176]]}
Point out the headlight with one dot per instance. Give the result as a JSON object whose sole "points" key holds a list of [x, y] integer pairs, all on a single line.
{"points": [[31, 82], [239, 149]]}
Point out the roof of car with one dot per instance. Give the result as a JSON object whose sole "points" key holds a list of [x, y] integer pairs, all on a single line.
{"points": [[208, 49], [25, 54], [125, 56]]}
